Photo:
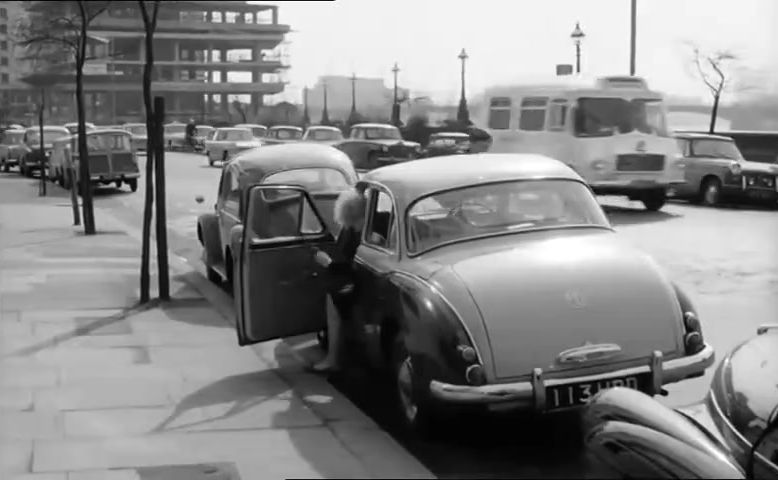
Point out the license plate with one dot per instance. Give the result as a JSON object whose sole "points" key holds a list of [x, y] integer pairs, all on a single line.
{"points": [[577, 394]]}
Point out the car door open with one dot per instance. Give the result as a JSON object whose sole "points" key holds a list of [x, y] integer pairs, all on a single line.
{"points": [[282, 288]]}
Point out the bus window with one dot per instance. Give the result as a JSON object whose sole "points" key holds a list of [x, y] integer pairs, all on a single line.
{"points": [[500, 113], [557, 114], [533, 113]]}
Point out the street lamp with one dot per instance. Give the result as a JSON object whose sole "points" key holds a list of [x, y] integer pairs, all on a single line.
{"points": [[325, 116], [353, 93], [577, 36], [395, 104], [463, 115], [306, 117]]}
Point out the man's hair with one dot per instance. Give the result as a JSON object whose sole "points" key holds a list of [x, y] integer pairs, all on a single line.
{"points": [[350, 208]]}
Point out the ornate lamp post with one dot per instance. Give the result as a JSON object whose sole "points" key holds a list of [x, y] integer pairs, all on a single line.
{"points": [[395, 103], [306, 117], [463, 115], [325, 116], [577, 36]]}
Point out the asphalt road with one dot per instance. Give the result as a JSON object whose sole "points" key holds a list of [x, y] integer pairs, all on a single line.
{"points": [[725, 258]]}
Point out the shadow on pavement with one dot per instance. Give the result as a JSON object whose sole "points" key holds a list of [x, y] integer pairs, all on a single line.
{"points": [[631, 216], [750, 206]]}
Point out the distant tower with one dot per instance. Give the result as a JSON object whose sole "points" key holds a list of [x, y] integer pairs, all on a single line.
{"points": [[325, 116]]}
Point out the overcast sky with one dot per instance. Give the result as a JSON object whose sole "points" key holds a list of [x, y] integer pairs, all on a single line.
{"points": [[506, 39]]}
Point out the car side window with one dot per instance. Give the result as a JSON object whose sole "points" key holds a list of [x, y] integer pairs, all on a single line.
{"points": [[224, 185], [358, 133], [381, 229], [684, 146]]}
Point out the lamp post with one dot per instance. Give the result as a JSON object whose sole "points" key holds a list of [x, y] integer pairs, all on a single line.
{"points": [[395, 104], [463, 115], [306, 117], [632, 37], [577, 36], [353, 93], [325, 116]]}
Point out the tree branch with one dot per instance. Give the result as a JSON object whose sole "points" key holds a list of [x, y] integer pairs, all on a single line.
{"points": [[702, 73]]}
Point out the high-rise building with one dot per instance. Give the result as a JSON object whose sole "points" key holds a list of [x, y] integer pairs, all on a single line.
{"points": [[207, 55], [15, 96]]}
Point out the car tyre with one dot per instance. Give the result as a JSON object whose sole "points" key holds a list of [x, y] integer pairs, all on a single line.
{"points": [[132, 183], [413, 406], [655, 200], [710, 192]]}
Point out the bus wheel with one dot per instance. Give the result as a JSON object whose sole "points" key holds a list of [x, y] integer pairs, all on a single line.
{"points": [[654, 200]]}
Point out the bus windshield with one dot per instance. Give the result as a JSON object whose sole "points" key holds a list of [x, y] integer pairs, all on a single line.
{"points": [[604, 117]]}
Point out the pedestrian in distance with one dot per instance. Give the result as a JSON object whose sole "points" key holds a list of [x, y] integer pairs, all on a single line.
{"points": [[350, 216], [191, 132]]}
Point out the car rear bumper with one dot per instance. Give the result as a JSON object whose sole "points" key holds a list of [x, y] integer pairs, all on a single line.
{"points": [[620, 187], [114, 176], [531, 395]]}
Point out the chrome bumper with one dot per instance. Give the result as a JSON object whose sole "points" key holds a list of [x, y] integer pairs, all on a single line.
{"points": [[532, 394]]}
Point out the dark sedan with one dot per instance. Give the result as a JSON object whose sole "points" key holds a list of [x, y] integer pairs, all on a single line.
{"points": [[447, 143], [373, 145]]}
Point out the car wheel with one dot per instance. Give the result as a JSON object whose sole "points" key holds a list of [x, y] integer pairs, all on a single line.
{"points": [[133, 183], [654, 201], [413, 408], [710, 192]]}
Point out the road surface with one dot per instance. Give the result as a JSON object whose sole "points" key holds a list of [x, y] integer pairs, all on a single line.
{"points": [[725, 258]]}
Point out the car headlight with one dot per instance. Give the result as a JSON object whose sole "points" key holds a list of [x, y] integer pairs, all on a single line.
{"points": [[384, 148], [735, 168], [751, 181]]}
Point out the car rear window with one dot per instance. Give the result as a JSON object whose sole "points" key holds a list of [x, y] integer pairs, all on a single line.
{"points": [[312, 179]]}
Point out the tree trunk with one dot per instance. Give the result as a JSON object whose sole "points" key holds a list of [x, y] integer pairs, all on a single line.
{"points": [[714, 113], [42, 144], [83, 152], [145, 281], [163, 275]]}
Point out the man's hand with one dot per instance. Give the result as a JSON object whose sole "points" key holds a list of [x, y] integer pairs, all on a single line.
{"points": [[322, 258]]}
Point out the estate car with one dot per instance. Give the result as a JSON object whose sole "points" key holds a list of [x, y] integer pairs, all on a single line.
{"points": [[716, 171], [323, 134], [447, 143], [487, 282], [323, 170], [139, 135], [259, 131], [11, 148], [34, 157], [225, 142]]}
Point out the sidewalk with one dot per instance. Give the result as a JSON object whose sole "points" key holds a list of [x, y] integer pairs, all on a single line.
{"points": [[94, 387]]}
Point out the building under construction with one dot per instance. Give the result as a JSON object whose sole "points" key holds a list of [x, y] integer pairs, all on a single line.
{"points": [[208, 55]]}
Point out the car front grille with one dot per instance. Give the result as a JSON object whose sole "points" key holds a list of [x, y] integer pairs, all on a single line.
{"points": [[634, 162], [98, 165], [124, 163], [760, 180], [399, 151]]}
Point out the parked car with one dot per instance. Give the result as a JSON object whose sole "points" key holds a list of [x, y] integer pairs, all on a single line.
{"points": [[226, 142], [324, 170], [732, 434], [716, 171], [283, 134], [323, 134], [73, 127], [11, 148], [139, 135], [111, 159], [175, 135], [259, 131], [493, 282], [447, 143], [34, 157], [373, 145]]}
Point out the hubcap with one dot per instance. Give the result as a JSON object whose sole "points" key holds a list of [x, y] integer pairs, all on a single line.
{"points": [[405, 389], [711, 193]]}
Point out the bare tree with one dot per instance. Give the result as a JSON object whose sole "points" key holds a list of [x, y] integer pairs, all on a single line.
{"points": [[240, 107], [59, 29], [149, 14], [714, 71]]}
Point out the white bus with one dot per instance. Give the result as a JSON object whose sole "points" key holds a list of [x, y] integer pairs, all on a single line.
{"points": [[611, 130]]}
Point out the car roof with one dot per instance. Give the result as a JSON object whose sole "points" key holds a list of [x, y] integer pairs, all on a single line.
{"points": [[134, 125], [47, 127], [231, 129], [14, 130], [373, 125], [697, 135], [450, 134], [417, 178], [204, 126], [323, 127], [265, 160], [250, 125], [103, 131], [279, 127]]}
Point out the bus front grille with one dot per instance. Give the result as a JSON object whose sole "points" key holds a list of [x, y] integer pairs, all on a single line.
{"points": [[632, 162]]}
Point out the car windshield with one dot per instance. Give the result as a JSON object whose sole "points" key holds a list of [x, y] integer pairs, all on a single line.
{"points": [[235, 136], [493, 209], [603, 117], [288, 134], [712, 148], [136, 129], [101, 142], [259, 131], [13, 138], [175, 129], [203, 131], [48, 135], [324, 134], [312, 179], [382, 133]]}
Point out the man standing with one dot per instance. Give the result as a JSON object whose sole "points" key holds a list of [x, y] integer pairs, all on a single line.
{"points": [[191, 132]]}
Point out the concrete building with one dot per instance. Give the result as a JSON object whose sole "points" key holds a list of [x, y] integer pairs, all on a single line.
{"points": [[15, 96], [207, 54], [374, 98]]}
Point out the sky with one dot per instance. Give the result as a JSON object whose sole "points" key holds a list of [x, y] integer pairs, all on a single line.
{"points": [[507, 40]]}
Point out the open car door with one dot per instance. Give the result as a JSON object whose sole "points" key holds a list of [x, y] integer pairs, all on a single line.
{"points": [[281, 288]]}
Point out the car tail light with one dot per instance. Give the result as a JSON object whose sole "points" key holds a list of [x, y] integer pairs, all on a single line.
{"points": [[475, 375], [467, 353], [692, 339]]}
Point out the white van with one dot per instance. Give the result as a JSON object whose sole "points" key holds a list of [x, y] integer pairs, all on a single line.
{"points": [[611, 130]]}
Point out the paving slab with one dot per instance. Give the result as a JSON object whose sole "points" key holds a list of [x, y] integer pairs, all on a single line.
{"points": [[15, 457], [121, 474], [39, 476], [30, 425], [105, 394], [16, 399]]}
